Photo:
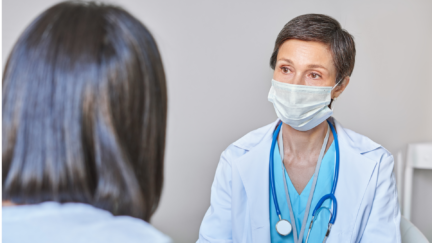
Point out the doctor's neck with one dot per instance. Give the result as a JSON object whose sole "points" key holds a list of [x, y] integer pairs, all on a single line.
{"points": [[298, 143]]}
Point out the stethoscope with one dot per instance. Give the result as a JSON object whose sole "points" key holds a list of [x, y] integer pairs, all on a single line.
{"points": [[283, 227]]}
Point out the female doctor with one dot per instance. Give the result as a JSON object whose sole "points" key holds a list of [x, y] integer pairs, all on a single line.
{"points": [[304, 177]]}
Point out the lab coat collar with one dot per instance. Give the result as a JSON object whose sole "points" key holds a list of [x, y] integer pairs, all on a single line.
{"points": [[253, 168], [359, 143]]}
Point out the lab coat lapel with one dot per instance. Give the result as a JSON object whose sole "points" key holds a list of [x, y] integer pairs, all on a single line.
{"points": [[354, 175], [254, 172]]}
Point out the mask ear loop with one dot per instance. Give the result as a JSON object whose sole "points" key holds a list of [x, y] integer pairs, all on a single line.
{"points": [[334, 99], [337, 83]]}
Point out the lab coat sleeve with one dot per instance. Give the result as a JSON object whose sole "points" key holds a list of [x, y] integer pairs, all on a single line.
{"points": [[384, 221], [216, 225]]}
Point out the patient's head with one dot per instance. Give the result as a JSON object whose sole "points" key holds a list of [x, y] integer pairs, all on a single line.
{"points": [[84, 111]]}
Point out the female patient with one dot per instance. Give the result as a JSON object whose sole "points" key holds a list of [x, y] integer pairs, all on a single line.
{"points": [[84, 118]]}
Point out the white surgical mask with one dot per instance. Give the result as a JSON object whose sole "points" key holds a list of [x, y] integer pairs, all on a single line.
{"points": [[300, 106]]}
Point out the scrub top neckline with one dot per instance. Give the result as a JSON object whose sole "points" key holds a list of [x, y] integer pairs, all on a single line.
{"points": [[306, 188], [309, 184]]}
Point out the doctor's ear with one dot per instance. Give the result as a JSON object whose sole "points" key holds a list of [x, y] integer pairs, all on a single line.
{"points": [[340, 88]]}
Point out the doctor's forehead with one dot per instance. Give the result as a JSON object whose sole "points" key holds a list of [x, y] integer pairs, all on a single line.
{"points": [[306, 54]]}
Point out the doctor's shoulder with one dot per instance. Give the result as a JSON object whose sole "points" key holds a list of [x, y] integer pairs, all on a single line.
{"points": [[367, 147], [246, 143]]}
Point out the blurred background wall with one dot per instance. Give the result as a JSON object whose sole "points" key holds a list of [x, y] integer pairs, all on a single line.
{"points": [[216, 55]]}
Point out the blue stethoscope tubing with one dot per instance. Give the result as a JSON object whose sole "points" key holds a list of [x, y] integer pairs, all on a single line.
{"points": [[330, 196]]}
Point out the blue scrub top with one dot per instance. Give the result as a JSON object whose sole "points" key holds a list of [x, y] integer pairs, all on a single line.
{"points": [[298, 202]]}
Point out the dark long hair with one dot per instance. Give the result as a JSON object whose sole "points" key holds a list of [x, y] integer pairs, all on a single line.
{"points": [[84, 111]]}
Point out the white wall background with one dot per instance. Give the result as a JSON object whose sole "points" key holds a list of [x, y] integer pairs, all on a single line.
{"points": [[216, 55]]}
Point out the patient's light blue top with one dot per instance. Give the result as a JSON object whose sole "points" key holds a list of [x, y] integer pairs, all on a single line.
{"points": [[298, 202], [52, 222]]}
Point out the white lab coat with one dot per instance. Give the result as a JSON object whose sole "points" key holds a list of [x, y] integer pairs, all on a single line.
{"points": [[368, 209]]}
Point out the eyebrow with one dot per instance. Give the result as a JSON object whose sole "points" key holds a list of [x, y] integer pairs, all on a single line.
{"points": [[286, 60], [309, 66]]}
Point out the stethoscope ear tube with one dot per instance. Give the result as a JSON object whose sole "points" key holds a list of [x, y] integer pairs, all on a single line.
{"points": [[271, 168], [336, 175], [321, 201]]}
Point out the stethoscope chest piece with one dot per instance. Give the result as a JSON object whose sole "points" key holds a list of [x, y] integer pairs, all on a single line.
{"points": [[283, 227]]}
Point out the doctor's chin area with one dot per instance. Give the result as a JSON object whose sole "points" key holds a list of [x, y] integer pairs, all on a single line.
{"points": [[216, 121]]}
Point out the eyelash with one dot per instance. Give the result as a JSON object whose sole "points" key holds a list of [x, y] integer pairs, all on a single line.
{"points": [[283, 68]]}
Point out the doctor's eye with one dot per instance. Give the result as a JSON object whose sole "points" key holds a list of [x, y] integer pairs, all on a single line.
{"points": [[315, 75], [285, 69]]}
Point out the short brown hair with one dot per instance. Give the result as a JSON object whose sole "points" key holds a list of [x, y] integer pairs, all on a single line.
{"points": [[84, 111], [324, 29]]}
